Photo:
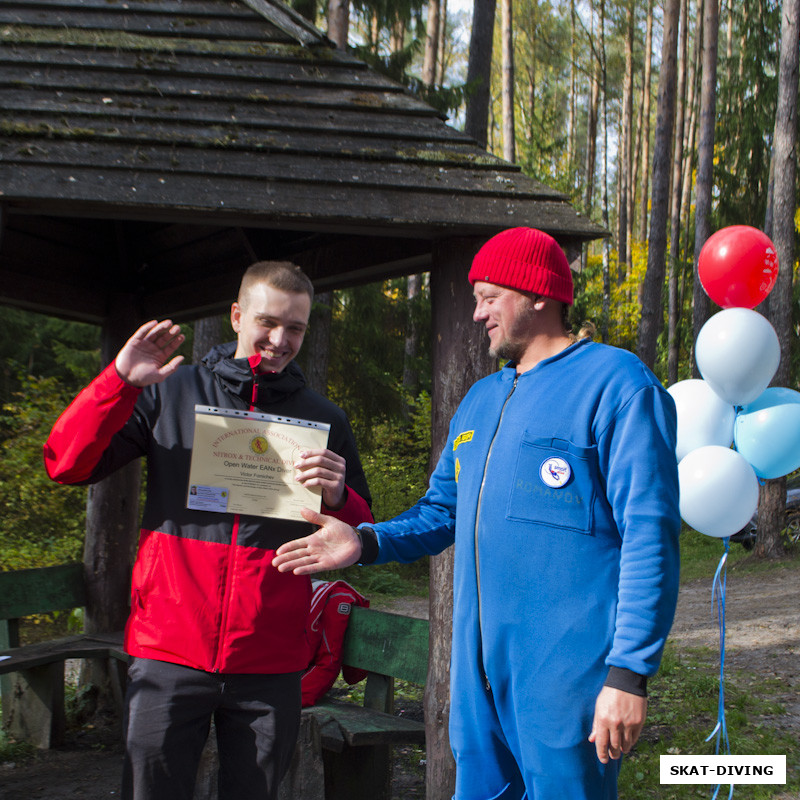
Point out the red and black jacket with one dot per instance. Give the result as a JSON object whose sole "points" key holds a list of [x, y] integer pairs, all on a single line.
{"points": [[204, 592], [331, 604]]}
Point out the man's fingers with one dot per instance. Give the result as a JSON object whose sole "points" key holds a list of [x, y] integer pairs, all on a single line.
{"points": [[143, 330], [164, 335], [171, 366], [290, 549], [600, 739], [607, 741], [291, 555], [314, 517]]}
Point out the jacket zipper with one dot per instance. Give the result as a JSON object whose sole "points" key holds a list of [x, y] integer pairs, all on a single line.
{"points": [[477, 522], [226, 598]]}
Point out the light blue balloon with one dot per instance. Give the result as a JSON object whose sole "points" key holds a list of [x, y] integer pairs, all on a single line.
{"points": [[718, 491], [767, 432]]}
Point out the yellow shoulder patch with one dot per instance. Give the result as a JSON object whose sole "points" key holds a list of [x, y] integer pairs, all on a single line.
{"points": [[461, 438]]}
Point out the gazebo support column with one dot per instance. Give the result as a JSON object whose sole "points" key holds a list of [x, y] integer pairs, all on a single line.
{"points": [[112, 517], [460, 357]]}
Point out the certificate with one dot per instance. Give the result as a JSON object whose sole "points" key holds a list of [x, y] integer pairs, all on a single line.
{"points": [[242, 463]]}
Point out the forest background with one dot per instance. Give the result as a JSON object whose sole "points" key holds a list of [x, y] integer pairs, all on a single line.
{"points": [[662, 122]]}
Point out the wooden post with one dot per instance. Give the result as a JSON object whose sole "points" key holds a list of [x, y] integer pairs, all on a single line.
{"points": [[112, 521], [35, 713], [460, 357]]}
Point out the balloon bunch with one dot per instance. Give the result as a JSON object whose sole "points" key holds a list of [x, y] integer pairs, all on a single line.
{"points": [[737, 353]]}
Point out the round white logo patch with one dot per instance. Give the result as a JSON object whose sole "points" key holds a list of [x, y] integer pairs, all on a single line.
{"points": [[555, 472]]}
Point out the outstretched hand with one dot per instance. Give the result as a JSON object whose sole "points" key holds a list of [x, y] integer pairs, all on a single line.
{"points": [[145, 357], [334, 546]]}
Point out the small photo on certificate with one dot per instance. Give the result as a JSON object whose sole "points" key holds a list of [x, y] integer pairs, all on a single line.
{"points": [[242, 463]]}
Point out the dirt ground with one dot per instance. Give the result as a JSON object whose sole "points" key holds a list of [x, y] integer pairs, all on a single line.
{"points": [[763, 636], [762, 621]]}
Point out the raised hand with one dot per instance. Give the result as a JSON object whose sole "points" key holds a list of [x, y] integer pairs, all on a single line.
{"points": [[334, 546], [147, 356]]}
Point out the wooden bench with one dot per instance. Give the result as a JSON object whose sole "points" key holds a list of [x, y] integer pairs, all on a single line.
{"points": [[352, 742], [32, 682], [357, 740]]}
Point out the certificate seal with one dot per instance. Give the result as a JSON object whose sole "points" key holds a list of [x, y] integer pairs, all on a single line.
{"points": [[259, 445]]}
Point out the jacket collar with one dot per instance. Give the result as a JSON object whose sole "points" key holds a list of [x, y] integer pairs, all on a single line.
{"points": [[239, 374]]}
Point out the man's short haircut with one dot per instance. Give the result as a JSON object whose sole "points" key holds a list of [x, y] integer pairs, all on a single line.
{"points": [[283, 275]]}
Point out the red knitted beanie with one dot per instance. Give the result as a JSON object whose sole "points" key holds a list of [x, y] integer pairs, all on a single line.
{"points": [[527, 260]]}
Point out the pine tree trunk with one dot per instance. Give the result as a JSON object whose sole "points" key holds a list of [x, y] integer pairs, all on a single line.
{"points": [[604, 329], [573, 67], [690, 132], [705, 160], [675, 210], [644, 192], [771, 514], [652, 308], [208, 333], [591, 126], [339, 22], [626, 150], [479, 70], [441, 50], [507, 38], [429, 66], [411, 348], [317, 345]]}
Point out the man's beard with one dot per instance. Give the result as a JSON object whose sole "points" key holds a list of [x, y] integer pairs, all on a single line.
{"points": [[511, 351], [515, 344]]}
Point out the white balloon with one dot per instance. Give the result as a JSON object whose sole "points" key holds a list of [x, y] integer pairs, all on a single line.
{"points": [[719, 491], [737, 352], [703, 416]]}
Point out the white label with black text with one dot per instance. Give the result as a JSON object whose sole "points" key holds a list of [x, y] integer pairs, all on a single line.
{"points": [[723, 769]]}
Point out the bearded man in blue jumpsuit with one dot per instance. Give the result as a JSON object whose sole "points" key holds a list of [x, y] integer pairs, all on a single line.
{"points": [[558, 486]]}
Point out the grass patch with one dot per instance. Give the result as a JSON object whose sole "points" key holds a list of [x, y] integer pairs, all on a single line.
{"points": [[12, 751], [683, 712], [700, 555]]}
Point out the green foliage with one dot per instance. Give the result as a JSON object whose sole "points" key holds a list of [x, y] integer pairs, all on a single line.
{"points": [[398, 64], [367, 354], [41, 524], [397, 466], [748, 93], [397, 473], [624, 306], [36, 344]]}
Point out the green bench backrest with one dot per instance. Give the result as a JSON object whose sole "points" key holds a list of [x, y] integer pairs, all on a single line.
{"points": [[387, 644], [37, 591]]}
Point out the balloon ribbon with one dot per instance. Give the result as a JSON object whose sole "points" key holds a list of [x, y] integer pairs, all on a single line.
{"points": [[718, 595]]}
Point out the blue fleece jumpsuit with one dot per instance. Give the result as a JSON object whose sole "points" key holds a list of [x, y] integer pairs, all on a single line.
{"points": [[559, 487]]}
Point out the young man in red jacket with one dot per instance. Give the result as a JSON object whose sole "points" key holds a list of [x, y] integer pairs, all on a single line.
{"points": [[214, 630]]}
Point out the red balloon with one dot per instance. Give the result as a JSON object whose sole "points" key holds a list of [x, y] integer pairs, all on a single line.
{"points": [[738, 266]]}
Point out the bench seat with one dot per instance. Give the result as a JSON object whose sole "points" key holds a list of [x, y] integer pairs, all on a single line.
{"points": [[344, 723], [107, 645]]}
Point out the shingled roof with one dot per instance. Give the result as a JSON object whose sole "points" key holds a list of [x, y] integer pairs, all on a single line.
{"points": [[155, 147]]}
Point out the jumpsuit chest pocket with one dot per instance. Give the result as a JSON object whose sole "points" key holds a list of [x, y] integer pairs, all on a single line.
{"points": [[553, 484]]}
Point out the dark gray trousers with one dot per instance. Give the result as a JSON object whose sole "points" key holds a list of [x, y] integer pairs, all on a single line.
{"points": [[168, 714]]}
